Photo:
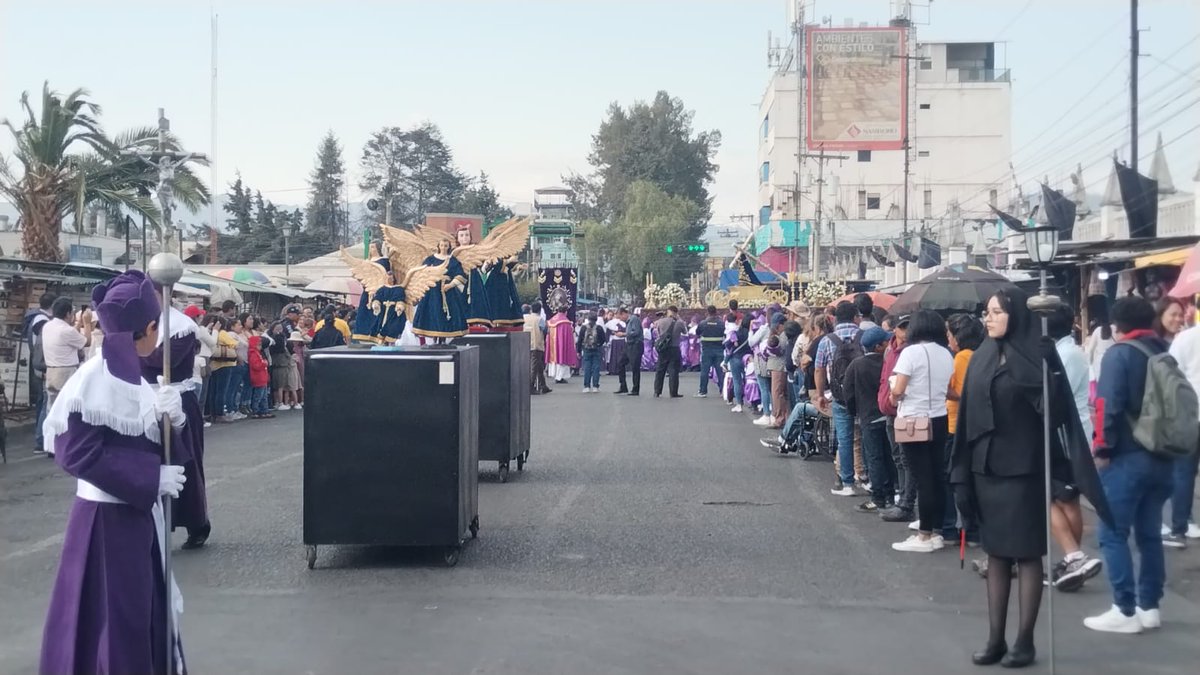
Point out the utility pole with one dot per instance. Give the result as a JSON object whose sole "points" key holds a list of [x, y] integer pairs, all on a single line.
{"points": [[907, 146], [1134, 47], [815, 241]]}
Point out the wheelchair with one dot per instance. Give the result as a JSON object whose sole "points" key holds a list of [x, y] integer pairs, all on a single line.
{"points": [[809, 434]]}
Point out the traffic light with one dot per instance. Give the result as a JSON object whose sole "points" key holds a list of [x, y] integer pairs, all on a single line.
{"points": [[700, 247]]}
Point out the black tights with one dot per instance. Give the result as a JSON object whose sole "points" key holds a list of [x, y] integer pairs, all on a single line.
{"points": [[999, 583]]}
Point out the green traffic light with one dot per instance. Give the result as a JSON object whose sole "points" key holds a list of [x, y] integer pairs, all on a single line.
{"points": [[670, 249]]}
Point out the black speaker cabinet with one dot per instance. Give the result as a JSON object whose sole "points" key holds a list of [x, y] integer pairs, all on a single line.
{"points": [[503, 397], [391, 447]]}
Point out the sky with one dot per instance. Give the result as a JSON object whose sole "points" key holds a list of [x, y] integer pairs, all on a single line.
{"points": [[518, 87]]}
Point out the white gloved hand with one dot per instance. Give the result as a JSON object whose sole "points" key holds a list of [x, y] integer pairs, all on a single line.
{"points": [[169, 402], [170, 480]]}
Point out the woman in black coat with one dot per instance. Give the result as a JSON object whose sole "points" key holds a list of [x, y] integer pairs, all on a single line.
{"points": [[997, 466]]}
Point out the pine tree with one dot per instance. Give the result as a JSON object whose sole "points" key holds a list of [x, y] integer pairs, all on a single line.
{"points": [[326, 217], [238, 206]]}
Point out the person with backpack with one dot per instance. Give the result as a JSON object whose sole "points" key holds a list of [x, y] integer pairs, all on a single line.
{"points": [[835, 353], [1146, 419], [589, 342]]}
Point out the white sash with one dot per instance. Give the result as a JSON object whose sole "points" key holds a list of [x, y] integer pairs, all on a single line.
{"points": [[89, 492]]}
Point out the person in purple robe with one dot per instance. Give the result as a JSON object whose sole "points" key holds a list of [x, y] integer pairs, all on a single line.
{"points": [[108, 610], [190, 510]]}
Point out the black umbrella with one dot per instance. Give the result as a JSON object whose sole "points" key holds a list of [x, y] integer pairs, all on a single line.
{"points": [[960, 288]]}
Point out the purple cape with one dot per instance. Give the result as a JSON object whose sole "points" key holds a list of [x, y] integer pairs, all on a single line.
{"points": [[190, 510]]}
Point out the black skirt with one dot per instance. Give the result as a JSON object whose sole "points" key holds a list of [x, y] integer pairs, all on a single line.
{"points": [[1012, 515]]}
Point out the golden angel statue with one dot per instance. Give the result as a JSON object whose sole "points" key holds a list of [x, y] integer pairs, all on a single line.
{"points": [[392, 286], [463, 299]]}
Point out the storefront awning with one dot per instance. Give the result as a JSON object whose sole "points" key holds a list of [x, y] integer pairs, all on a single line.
{"points": [[1173, 257]]}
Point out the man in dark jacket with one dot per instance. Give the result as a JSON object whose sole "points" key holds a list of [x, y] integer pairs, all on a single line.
{"points": [[711, 332], [861, 386], [671, 329], [634, 346], [1136, 482]]}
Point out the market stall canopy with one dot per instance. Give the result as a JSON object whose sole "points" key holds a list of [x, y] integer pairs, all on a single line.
{"points": [[337, 285], [243, 274], [209, 281], [961, 288], [1176, 257], [1188, 283]]}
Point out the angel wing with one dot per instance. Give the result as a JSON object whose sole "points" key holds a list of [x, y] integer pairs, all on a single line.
{"points": [[369, 273], [418, 281], [407, 249], [506, 239]]}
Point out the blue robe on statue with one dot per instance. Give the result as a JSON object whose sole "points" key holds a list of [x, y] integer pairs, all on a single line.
{"points": [[442, 313], [479, 310], [502, 295], [392, 318], [369, 319]]}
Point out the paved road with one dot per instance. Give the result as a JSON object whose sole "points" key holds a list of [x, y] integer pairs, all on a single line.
{"points": [[645, 536]]}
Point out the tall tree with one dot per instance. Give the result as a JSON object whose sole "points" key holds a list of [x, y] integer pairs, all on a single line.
{"points": [[653, 143], [650, 220], [326, 188], [481, 199], [239, 206], [411, 170]]}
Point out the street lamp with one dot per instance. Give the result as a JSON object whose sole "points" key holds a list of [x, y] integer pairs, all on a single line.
{"points": [[1041, 243], [287, 253]]}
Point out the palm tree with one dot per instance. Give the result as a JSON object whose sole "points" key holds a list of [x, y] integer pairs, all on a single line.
{"points": [[55, 182]]}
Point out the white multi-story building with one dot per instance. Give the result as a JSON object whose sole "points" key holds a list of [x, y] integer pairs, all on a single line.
{"points": [[957, 103]]}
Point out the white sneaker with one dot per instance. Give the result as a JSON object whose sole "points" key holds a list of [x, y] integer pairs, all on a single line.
{"points": [[1149, 618], [283, 406], [915, 526], [736, 409], [846, 491], [298, 406], [763, 421], [1113, 621], [700, 396], [1166, 530], [1193, 531], [939, 542], [587, 390], [207, 425], [915, 544]]}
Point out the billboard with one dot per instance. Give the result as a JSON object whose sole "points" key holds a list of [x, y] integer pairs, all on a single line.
{"points": [[857, 88], [85, 254]]}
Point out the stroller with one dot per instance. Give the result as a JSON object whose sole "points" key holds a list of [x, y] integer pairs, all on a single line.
{"points": [[806, 432]]}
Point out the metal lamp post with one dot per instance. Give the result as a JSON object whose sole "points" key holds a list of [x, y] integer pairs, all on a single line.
{"points": [[1041, 244], [165, 270], [287, 254]]}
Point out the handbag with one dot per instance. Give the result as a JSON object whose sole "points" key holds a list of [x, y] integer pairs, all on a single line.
{"points": [[663, 344], [916, 429]]}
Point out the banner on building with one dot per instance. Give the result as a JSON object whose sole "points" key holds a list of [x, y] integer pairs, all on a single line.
{"points": [[857, 88], [559, 289]]}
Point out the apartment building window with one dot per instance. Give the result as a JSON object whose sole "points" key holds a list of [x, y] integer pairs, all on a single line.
{"points": [[924, 106], [766, 126], [764, 172], [922, 153], [929, 203], [873, 201], [864, 155], [992, 196], [764, 215], [926, 64], [862, 203]]}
